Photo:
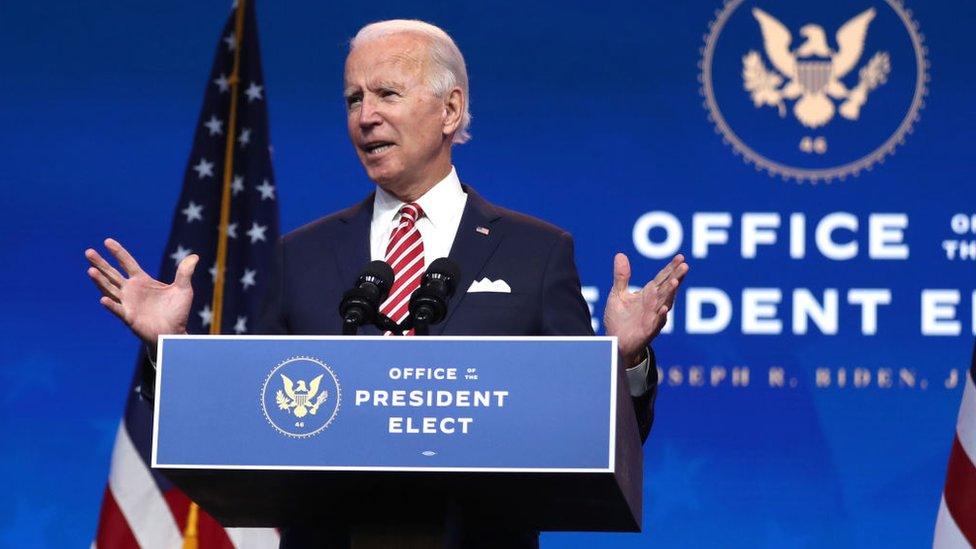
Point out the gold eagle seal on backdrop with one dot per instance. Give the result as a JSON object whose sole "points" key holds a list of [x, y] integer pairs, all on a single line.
{"points": [[813, 70], [818, 83]]}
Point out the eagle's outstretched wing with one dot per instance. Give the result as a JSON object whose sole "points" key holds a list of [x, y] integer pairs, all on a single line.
{"points": [[313, 387], [850, 42], [776, 39], [289, 386]]}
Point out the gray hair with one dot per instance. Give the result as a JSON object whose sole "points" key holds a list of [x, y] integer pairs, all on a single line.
{"points": [[447, 64]]}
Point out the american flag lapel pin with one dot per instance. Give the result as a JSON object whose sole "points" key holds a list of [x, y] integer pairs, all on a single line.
{"points": [[483, 230]]}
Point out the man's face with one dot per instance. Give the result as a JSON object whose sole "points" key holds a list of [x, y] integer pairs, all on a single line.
{"points": [[395, 122]]}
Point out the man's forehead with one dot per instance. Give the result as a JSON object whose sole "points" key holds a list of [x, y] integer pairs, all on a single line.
{"points": [[399, 51]]}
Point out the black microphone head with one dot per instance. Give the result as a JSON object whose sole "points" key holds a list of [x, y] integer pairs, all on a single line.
{"points": [[428, 304], [446, 269], [380, 273], [360, 304]]}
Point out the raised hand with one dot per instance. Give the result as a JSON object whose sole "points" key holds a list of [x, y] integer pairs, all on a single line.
{"points": [[637, 317], [148, 307]]}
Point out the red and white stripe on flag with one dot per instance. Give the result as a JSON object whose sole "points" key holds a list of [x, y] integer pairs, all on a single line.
{"points": [[135, 513], [956, 524]]}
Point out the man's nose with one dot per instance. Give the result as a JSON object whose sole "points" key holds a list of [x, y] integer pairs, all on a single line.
{"points": [[369, 113]]}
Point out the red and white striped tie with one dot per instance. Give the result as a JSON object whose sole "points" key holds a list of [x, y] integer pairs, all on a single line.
{"points": [[405, 254]]}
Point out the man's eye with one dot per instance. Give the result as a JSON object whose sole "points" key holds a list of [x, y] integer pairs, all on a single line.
{"points": [[353, 100], [388, 93]]}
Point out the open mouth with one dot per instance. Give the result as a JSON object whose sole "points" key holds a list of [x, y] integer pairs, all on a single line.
{"points": [[377, 147]]}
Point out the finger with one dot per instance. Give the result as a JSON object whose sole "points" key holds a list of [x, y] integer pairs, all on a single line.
{"points": [[114, 307], [184, 272], [672, 293], [664, 273], [663, 311], [123, 256], [108, 289], [680, 271], [97, 261], [668, 269], [676, 275], [664, 292], [677, 271], [621, 273]]}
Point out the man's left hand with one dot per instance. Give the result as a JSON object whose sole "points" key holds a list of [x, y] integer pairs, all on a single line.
{"points": [[637, 317]]}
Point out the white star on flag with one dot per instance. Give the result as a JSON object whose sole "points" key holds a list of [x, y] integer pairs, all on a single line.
{"points": [[248, 279], [231, 42], [266, 189], [237, 185], [241, 325], [204, 168], [181, 253], [193, 211], [253, 92], [232, 230], [215, 125], [256, 232], [206, 315], [213, 272], [222, 83], [245, 137]]}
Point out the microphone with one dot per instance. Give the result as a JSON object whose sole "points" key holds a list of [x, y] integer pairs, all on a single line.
{"points": [[428, 305], [360, 304]]}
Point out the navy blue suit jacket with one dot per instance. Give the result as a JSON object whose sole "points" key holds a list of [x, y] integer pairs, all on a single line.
{"points": [[318, 262]]}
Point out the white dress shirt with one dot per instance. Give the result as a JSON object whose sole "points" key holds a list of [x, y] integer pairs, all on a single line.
{"points": [[443, 205]]}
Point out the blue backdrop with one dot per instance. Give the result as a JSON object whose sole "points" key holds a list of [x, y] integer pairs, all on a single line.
{"points": [[590, 116]]}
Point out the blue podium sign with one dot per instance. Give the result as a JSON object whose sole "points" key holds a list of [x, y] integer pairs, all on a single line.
{"points": [[479, 404]]}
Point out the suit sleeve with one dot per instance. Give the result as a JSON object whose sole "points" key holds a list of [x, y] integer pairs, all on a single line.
{"points": [[147, 371], [272, 318], [564, 312]]}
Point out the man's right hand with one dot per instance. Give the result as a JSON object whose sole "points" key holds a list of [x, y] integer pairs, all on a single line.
{"points": [[148, 307]]}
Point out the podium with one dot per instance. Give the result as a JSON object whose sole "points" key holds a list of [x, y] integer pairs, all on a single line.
{"points": [[530, 432]]}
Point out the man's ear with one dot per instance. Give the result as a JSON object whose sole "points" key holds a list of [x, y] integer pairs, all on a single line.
{"points": [[454, 103]]}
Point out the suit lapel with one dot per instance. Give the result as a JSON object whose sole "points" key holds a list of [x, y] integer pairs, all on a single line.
{"points": [[352, 246], [472, 247]]}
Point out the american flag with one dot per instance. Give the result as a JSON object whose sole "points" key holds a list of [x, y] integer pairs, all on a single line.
{"points": [[956, 523], [230, 160]]}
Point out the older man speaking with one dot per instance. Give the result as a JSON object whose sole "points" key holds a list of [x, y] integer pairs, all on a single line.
{"points": [[406, 95]]}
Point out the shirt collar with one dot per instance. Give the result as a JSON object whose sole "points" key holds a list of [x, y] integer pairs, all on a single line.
{"points": [[440, 204]]}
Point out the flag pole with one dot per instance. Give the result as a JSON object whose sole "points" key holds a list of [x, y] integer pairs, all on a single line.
{"points": [[218, 295], [190, 533]]}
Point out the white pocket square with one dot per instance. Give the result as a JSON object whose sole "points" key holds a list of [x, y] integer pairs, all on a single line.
{"points": [[485, 285]]}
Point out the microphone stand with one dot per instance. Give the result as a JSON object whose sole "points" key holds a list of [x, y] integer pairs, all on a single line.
{"points": [[386, 324], [421, 324], [350, 326]]}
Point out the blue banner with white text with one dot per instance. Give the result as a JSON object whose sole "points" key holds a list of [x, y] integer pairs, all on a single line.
{"points": [[368, 403]]}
